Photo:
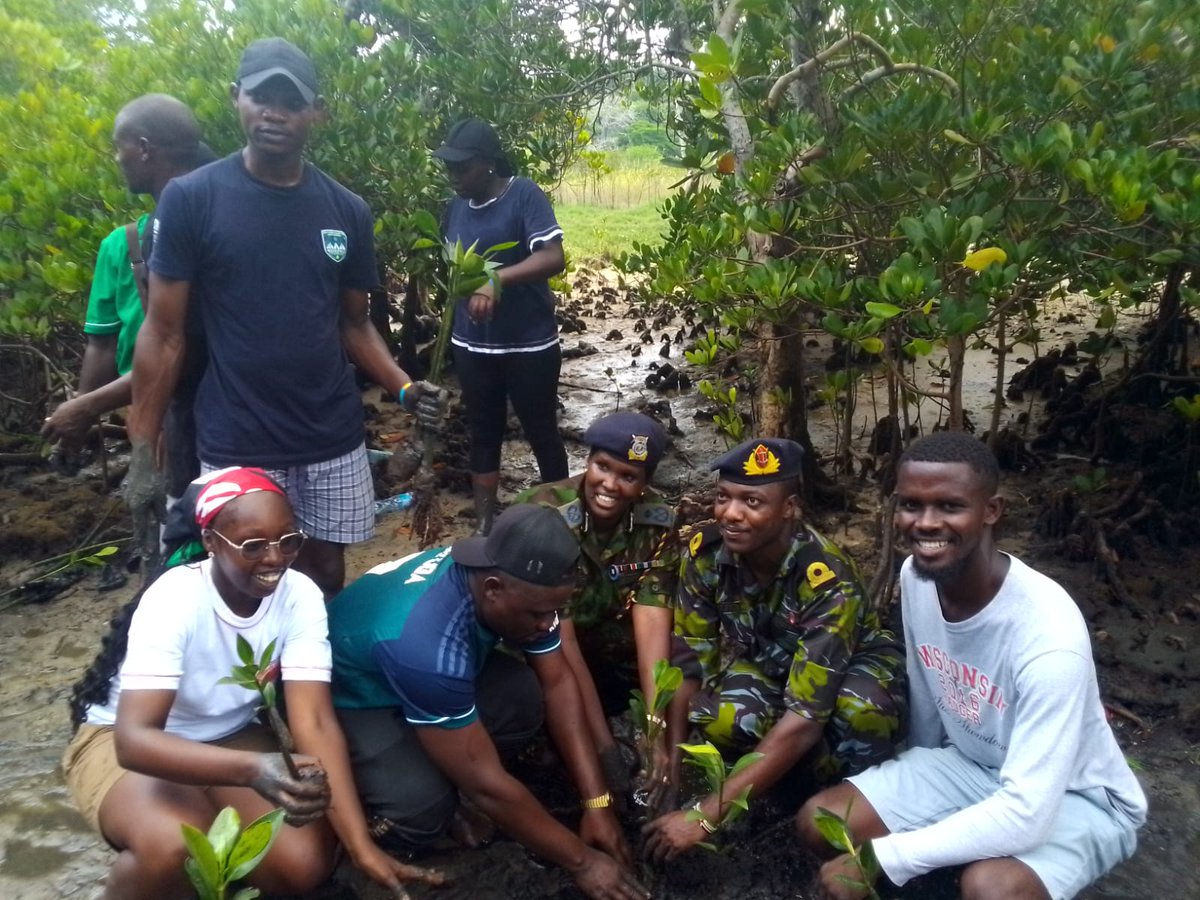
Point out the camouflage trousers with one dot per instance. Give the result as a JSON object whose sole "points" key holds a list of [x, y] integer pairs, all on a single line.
{"points": [[867, 722]]}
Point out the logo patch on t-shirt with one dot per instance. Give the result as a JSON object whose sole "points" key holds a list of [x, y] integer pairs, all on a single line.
{"points": [[334, 242]]}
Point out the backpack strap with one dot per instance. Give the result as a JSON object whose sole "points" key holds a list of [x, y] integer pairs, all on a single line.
{"points": [[141, 274]]}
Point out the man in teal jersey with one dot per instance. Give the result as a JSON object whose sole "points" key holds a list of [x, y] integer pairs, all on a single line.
{"points": [[156, 138], [428, 709]]}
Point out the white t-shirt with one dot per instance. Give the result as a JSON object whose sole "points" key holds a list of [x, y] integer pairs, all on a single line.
{"points": [[183, 638], [1014, 689]]}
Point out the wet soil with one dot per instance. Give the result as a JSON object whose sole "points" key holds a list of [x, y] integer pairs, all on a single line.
{"points": [[1146, 653]]}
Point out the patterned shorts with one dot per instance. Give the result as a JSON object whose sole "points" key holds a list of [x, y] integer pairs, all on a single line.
{"points": [[332, 500]]}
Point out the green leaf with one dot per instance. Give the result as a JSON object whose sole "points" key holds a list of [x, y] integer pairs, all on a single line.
{"points": [[744, 761], [222, 834], [254, 843], [956, 137], [833, 828], [268, 654], [244, 651], [499, 248], [1166, 257], [871, 345], [701, 750], [883, 310], [207, 868], [204, 891], [247, 893], [424, 243]]}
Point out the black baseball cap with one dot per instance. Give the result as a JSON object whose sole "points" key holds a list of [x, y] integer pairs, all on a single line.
{"points": [[268, 57], [470, 139], [529, 542]]}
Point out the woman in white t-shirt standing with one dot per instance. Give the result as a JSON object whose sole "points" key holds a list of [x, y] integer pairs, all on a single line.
{"points": [[163, 742]]}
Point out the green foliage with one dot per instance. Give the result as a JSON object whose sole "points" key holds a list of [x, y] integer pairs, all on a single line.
{"points": [[1063, 137], [836, 831], [227, 854], [258, 675], [728, 420], [708, 759], [394, 79], [648, 716]]}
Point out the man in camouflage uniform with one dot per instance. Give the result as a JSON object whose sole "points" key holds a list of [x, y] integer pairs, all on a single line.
{"points": [[618, 622], [780, 651]]}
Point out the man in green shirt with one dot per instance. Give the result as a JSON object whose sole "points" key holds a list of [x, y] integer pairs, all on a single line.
{"points": [[156, 137]]}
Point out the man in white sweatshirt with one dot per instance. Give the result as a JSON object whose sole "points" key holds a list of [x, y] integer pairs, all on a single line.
{"points": [[1012, 770]]}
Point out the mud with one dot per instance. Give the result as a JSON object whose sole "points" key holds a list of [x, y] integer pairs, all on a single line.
{"points": [[1146, 653]]}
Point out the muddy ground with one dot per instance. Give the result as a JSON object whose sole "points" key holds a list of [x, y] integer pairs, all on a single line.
{"points": [[1145, 650]]}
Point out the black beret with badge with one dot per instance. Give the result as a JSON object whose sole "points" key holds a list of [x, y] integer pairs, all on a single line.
{"points": [[630, 437], [760, 461]]}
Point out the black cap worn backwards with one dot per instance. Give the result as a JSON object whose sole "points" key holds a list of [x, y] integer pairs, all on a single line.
{"points": [[470, 139], [269, 57], [630, 437], [532, 543], [760, 461]]}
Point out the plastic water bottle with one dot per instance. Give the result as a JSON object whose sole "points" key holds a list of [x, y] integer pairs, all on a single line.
{"points": [[374, 457], [392, 504]]}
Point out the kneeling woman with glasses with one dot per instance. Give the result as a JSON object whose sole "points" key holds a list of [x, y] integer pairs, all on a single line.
{"points": [[162, 741]]}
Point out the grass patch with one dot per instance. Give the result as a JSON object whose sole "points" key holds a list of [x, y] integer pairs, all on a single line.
{"points": [[596, 234], [609, 200]]}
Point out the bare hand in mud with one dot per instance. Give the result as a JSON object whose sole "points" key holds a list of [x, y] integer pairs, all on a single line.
{"points": [[668, 836], [393, 874], [304, 799], [602, 878], [69, 423], [834, 880], [653, 787], [600, 829]]}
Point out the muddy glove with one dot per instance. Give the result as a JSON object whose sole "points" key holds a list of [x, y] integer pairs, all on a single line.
{"points": [[145, 494], [427, 402]]}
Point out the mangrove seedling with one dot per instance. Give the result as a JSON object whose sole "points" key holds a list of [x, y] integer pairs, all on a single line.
{"points": [[709, 760], [259, 675], [648, 718], [227, 854], [836, 830]]}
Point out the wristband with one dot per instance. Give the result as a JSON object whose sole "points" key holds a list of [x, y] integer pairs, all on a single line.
{"points": [[602, 802], [400, 396], [656, 720], [494, 281], [708, 826]]}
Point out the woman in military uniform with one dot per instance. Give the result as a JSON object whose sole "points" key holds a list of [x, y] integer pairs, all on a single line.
{"points": [[620, 618]]}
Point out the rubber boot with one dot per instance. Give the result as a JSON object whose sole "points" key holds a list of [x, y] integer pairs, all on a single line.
{"points": [[483, 490]]}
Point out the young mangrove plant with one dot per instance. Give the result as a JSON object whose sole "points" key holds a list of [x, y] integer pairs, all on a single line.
{"points": [[708, 760], [227, 854], [648, 719], [836, 830], [259, 675]]}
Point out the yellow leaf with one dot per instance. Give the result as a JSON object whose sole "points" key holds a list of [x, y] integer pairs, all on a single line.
{"points": [[1106, 43], [981, 259]]}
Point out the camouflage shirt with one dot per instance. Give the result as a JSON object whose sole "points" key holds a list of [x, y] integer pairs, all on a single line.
{"points": [[644, 535], [803, 626]]}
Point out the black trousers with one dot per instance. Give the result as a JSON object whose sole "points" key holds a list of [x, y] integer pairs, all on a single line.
{"points": [[530, 381], [398, 781]]}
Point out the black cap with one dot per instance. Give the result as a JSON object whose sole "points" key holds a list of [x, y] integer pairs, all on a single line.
{"points": [[630, 437], [268, 57], [470, 139], [760, 461], [529, 542]]}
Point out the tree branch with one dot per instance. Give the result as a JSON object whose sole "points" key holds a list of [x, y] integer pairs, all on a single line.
{"points": [[898, 69], [786, 79]]}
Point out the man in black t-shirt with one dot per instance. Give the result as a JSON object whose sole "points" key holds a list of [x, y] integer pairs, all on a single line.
{"points": [[279, 258]]}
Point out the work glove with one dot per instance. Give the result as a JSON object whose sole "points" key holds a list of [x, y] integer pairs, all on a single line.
{"points": [[427, 402], [145, 494]]}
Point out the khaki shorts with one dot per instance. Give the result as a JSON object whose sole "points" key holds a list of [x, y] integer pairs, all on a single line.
{"points": [[90, 766]]}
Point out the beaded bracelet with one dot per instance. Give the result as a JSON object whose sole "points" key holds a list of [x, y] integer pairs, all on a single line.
{"points": [[400, 398]]}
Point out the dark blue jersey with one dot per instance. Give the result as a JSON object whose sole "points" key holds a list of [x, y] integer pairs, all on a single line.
{"points": [[267, 266], [524, 320]]}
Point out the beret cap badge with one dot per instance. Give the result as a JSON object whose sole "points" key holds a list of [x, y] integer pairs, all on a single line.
{"points": [[761, 461]]}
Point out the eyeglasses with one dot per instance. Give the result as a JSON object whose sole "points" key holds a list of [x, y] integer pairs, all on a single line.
{"points": [[256, 548]]}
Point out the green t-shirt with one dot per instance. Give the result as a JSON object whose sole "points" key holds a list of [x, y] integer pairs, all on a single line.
{"points": [[114, 306]]}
